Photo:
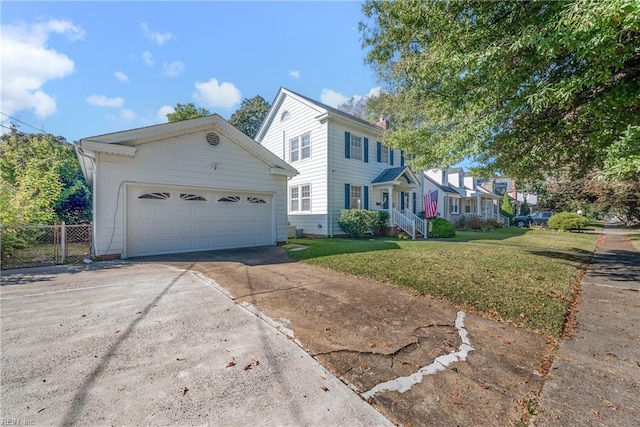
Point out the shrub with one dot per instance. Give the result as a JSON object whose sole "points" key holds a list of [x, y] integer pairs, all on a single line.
{"points": [[525, 209], [441, 228], [357, 222], [476, 223], [567, 221]]}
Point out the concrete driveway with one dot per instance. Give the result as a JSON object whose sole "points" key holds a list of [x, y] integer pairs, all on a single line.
{"points": [[146, 343]]}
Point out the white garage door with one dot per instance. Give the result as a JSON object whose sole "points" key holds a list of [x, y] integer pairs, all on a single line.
{"points": [[162, 220]]}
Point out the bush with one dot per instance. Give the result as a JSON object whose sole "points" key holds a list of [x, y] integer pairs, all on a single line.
{"points": [[357, 222], [476, 223], [441, 228], [567, 221]]}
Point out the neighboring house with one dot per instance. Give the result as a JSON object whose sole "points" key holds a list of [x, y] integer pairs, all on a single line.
{"points": [[186, 186], [460, 194], [342, 165]]}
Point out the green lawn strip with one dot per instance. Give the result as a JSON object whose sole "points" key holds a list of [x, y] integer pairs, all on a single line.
{"points": [[529, 288], [535, 238], [635, 239]]}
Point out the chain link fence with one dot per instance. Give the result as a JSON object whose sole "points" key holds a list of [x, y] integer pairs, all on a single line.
{"points": [[38, 245]]}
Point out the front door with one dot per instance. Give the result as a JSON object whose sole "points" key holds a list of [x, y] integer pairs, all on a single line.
{"points": [[385, 200]]}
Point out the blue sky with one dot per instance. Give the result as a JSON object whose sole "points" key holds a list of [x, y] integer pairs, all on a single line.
{"points": [[79, 69]]}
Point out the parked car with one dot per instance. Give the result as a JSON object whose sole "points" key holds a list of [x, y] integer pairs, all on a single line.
{"points": [[537, 218]]}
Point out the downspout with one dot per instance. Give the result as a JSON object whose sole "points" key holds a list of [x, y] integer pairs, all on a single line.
{"points": [[329, 180]]}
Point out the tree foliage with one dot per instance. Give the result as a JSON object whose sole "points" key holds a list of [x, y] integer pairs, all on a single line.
{"points": [[524, 88], [506, 208], [524, 208], [41, 181], [356, 106], [186, 112], [250, 115]]}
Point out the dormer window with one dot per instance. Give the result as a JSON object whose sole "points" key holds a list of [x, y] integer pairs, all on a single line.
{"points": [[285, 116]]}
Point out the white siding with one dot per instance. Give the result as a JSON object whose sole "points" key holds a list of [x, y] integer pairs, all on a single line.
{"points": [[185, 161], [354, 172], [302, 119]]}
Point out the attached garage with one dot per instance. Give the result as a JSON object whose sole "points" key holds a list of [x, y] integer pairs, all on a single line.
{"points": [[169, 220], [187, 186]]}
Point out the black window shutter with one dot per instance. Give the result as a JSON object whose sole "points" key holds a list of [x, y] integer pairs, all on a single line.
{"points": [[390, 156], [379, 151], [347, 146], [366, 150], [347, 196], [401, 158], [366, 197]]}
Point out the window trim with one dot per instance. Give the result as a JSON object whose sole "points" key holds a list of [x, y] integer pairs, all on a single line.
{"points": [[300, 200], [356, 150], [454, 206], [382, 154], [358, 199]]}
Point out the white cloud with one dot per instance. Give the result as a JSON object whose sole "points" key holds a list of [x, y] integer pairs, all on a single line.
{"points": [[375, 91], [127, 115], [28, 63], [147, 57], [332, 98], [212, 94], [103, 101], [295, 74], [121, 76], [173, 69], [156, 37], [161, 115]]}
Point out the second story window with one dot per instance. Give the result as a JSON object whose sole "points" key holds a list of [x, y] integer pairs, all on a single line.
{"points": [[294, 150], [356, 147], [384, 154], [300, 148]]}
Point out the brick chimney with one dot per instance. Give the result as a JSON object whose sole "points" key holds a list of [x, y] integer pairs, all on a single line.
{"points": [[383, 123]]}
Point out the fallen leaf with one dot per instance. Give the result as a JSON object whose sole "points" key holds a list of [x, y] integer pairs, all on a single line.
{"points": [[180, 359], [323, 388], [184, 390], [255, 362], [456, 395], [597, 414], [118, 331], [42, 409], [611, 405], [247, 367], [230, 363]]}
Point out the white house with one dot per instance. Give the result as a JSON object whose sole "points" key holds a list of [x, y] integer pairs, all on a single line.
{"points": [[186, 186], [460, 194], [341, 163]]}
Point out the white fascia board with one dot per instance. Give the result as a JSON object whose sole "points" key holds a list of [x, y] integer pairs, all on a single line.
{"points": [[116, 149], [283, 172]]}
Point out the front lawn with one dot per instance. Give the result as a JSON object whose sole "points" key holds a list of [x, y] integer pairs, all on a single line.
{"points": [[533, 237], [527, 286]]}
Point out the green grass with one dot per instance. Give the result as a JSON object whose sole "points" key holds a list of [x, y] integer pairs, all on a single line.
{"points": [[532, 237], [531, 287], [635, 239]]}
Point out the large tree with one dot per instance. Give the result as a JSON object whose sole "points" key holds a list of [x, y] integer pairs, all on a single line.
{"points": [[41, 181], [186, 112], [525, 88], [250, 115]]}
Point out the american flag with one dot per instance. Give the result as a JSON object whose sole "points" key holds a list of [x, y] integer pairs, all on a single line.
{"points": [[431, 204]]}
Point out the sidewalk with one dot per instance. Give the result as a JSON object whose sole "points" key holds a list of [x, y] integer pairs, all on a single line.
{"points": [[595, 378]]}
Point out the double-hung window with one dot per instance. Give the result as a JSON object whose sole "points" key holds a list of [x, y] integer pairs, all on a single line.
{"points": [[356, 147], [294, 149], [454, 204], [300, 198], [300, 148], [384, 154], [356, 197]]}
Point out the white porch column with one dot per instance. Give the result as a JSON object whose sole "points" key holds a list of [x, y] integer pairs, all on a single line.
{"points": [[390, 204], [479, 206]]}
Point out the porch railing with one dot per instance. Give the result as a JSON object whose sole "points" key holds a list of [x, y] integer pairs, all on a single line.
{"points": [[409, 223]]}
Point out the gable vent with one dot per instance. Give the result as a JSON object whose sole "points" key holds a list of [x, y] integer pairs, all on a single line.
{"points": [[213, 139]]}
